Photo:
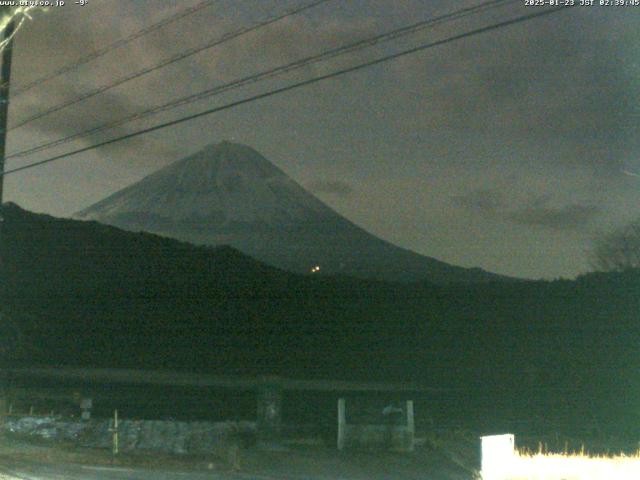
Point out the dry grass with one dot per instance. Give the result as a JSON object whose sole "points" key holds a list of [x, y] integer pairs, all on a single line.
{"points": [[566, 466]]}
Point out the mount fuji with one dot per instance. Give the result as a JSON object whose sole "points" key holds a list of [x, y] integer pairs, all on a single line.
{"points": [[229, 194]]}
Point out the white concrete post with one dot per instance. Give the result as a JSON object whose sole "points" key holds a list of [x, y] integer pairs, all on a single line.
{"points": [[498, 453], [342, 421], [411, 426], [269, 413], [114, 430], [86, 404]]}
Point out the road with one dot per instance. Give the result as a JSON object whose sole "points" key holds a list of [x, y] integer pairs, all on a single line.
{"points": [[38, 471], [33, 471], [22, 461]]}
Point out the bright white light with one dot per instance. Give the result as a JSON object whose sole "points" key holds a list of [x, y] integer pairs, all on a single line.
{"points": [[576, 467], [19, 14], [498, 452], [315, 269], [500, 462]]}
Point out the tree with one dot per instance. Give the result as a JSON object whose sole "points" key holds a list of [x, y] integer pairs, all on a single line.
{"points": [[12, 342], [619, 250]]}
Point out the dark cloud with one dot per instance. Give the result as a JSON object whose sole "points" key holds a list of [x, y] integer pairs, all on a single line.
{"points": [[279, 43], [93, 113], [559, 89], [536, 212], [486, 202], [332, 187], [75, 118], [568, 217], [545, 107]]}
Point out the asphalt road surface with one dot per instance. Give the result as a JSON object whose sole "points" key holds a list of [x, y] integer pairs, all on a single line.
{"points": [[24, 471], [23, 461]]}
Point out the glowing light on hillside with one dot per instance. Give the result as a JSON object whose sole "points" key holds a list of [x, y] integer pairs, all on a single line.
{"points": [[501, 461], [315, 269]]}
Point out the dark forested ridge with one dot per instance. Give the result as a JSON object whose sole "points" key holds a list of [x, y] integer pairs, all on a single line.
{"points": [[81, 293]]}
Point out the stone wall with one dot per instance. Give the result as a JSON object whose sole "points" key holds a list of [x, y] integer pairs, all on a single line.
{"points": [[150, 435]]}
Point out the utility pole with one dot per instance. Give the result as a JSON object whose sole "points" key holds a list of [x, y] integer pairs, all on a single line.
{"points": [[5, 76]]}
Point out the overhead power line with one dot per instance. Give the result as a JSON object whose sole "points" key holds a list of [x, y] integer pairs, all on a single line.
{"points": [[270, 73], [175, 58], [112, 46], [271, 93]]}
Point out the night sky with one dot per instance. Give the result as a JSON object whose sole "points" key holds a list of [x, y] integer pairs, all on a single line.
{"points": [[510, 150]]}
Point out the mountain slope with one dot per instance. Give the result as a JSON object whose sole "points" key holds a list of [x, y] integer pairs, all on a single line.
{"points": [[86, 294], [230, 194]]}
